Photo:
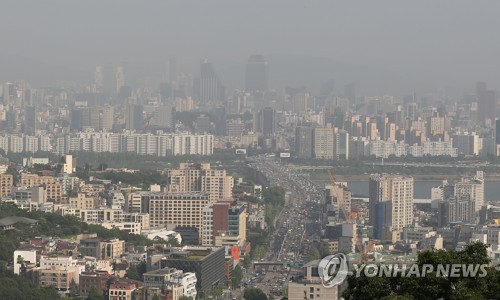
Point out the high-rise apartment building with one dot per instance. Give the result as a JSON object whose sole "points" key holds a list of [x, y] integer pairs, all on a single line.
{"points": [[323, 142], [256, 74], [163, 116], [176, 209], [106, 119], [472, 187], [391, 204], [456, 210], [202, 178]]}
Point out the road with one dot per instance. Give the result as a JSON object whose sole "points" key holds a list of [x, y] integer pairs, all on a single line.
{"points": [[298, 227]]}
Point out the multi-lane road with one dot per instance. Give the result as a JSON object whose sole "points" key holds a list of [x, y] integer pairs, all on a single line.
{"points": [[298, 227]]}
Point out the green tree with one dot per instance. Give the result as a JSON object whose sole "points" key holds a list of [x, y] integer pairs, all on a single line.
{"points": [[135, 271], [172, 241], [254, 294], [246, 261], [15, 175], [259, 252], [440, 287], [236, 277], [94, 294], [314, 254]]}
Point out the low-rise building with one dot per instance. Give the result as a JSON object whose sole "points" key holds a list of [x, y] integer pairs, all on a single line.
{"points": [[122, 290], [102, 249], [206, 262], [310, 285], [60, 278], [97, 279]]}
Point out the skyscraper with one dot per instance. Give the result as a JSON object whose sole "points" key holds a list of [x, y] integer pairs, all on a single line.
{"points": [[9, 93], [256, 74], [220, 120], [267, 121], [304, 137], [163, 116], [497, 136], [98, 118], [134, 117], [391, 204], [209, 87], [497, 131], [106, 118], [29, 119], [487, 105], [341, 144], [105, 79], [300, 102], [323, 142]]}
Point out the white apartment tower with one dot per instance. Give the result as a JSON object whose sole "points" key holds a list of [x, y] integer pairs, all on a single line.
{"points": [[191, 178], [473, 187], [391, 204]]}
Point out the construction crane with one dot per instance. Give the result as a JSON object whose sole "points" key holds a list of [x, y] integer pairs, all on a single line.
{"points": [[347, 215]]}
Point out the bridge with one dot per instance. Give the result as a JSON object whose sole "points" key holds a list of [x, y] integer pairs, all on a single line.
{"points": [[415, 201]]}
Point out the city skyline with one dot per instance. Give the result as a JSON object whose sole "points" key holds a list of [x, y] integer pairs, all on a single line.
{"points": [[422, 53]]}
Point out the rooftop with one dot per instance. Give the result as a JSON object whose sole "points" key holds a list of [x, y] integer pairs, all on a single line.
{"points": [[8, 221]]}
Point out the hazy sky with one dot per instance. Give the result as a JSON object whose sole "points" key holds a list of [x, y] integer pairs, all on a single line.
{"points": [[456, 39]]}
